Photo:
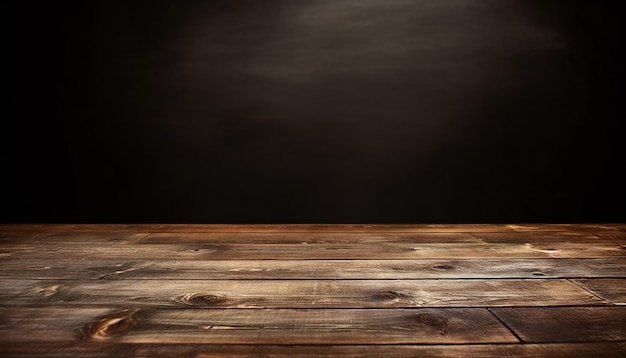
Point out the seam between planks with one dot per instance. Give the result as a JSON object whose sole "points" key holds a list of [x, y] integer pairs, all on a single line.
{"points": [[611, 303], [521, 341]]}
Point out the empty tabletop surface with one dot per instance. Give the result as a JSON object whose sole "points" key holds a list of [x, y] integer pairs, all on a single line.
{"points": [[466, 290]]}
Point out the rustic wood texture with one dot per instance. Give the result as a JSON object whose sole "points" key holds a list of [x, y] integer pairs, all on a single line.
{"points": [[250, 326], [116, 269], [477, 290], [565, 324], [308, 228], [551, 236], [106, 350], [303, 251], [613, 290], [297, 293]]}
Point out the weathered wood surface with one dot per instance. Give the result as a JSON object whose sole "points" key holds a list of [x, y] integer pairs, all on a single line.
{"points": [[297, 293], [106, 350], [613, 290], [116, 269], [587, 237], [308, 228], [303, 251], [479, 290], [236, 237], [248, 326], [565, 324]]}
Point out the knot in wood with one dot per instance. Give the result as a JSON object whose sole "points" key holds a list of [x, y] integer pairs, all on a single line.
{"points": [[111, 326], [201, 299], [50, 290]]}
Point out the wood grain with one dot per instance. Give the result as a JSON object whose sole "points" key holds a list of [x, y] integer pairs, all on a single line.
{"points": [[479, 290], [312, 238], [235, 237], [297, 293], [542, 237], [106, 350], [250, 326], [565, 324], [567, 227], [71, 268], [613, 290], [218, 251], [69, 237]]}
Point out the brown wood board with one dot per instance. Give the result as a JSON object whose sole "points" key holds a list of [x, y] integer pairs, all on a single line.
{"points": [[542, 237], [244, 251], [112, 350], [296, 293], [565, 324], [613, 290], [72, 268], [477, 290], [311, 228], [254, 326]]}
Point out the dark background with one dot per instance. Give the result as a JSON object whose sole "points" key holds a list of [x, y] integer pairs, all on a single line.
{"points": [[329, 111]]}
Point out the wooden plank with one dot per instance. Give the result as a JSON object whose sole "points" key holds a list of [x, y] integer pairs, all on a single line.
{"points": [[310, 238], [613, 236], [106, 350], [310, 228], [314, 237], [565, 324], [296, 293], [235, 238], [613, 290], [567, 227], [253, 326], [545, 237], [97, 237], [211, 251], [47, 324], [20, 236], [76, 268]]}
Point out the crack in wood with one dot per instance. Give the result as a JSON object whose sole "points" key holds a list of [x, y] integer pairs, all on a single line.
{"points": [[118, 272]]}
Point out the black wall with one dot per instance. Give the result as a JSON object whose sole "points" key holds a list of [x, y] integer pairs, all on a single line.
{"points": [[227, 111]]}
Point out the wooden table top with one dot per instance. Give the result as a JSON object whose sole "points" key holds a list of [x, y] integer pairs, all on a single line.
{"points": [[471, 290]]}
